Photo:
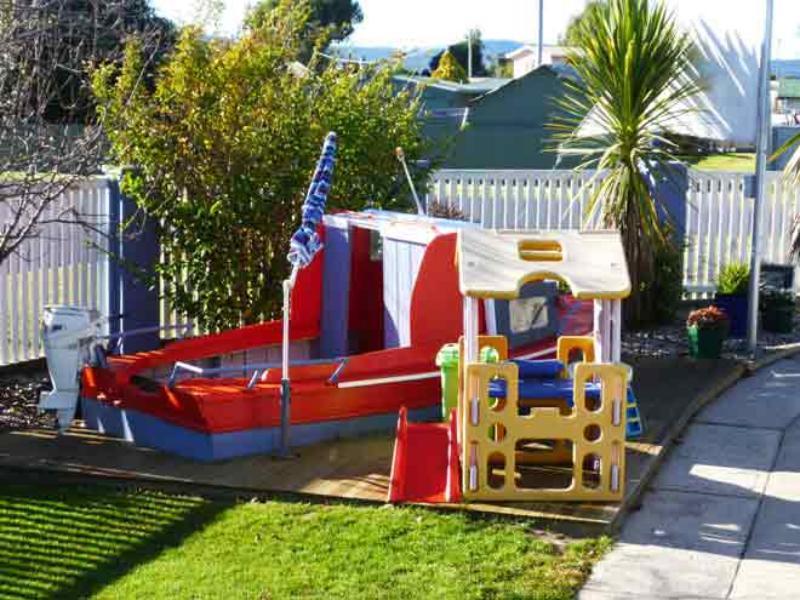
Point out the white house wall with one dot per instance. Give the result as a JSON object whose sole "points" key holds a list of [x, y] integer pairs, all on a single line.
{"points": [[728, 35]]}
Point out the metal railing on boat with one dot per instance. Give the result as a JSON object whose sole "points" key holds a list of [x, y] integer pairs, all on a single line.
{"points": [[258, 369]]}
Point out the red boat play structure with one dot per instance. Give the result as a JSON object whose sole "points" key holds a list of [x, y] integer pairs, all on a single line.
{"points": [[368, 317], [389, 314]]}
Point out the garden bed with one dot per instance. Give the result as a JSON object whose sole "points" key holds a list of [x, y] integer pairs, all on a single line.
{"points": [[671, 340], [19, 394]]}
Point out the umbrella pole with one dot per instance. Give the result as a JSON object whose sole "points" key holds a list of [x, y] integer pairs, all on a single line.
{"points": [[286, 392]]}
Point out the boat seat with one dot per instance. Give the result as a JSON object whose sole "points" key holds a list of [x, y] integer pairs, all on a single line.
{"points": [[539, 369], [543, 389]]}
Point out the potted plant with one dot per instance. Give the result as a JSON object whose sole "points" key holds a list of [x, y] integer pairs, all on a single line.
{"points": [[777, 311], [731, 296], [707, 329]]}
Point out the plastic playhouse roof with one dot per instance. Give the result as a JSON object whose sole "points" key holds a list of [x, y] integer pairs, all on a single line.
{"points": [[496, 264]]}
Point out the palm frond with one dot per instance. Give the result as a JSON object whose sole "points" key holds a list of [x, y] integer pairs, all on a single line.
{"points": [[792, 169], [636, 77], [792, 174], [635, 80]]}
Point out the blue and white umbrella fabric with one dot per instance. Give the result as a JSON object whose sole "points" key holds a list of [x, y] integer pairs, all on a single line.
{"points": [[303, 246], [305, 242]]}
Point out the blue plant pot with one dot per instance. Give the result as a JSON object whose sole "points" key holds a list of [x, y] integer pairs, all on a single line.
{"points": [[735, 306]]}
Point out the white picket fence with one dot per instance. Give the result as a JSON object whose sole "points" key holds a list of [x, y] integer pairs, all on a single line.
{"points": [[543, 200], [63, 264], [68, 264], [718, 212]]}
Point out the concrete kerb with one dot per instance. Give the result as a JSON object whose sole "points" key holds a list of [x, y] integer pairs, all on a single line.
{"points": [[779, 353], [744, 369]]}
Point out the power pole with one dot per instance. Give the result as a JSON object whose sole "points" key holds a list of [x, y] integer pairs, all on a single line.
{"points": [[540, 53], [762, 147], [469, 56]]}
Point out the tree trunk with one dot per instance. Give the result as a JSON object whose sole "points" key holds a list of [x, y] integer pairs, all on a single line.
{"points": [[638, 309]]}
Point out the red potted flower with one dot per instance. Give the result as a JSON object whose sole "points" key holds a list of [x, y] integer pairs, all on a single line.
{"points": [[707, 329]]}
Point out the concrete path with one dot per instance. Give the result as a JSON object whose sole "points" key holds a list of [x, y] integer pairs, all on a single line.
{"points": [[722, 519]]}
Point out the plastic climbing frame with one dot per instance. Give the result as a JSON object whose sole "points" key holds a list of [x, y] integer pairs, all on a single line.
{"points": [[540, 453]]}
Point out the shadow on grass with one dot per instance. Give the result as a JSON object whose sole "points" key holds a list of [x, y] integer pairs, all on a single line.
{"points": [[71, 542]]}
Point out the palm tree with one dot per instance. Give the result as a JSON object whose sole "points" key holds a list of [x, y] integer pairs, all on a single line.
{"points": [[792, 174], [635, 76]]}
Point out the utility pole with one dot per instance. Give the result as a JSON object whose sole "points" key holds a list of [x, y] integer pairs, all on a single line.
{"points": [[469, 56], [540, 52], [762, 147]]}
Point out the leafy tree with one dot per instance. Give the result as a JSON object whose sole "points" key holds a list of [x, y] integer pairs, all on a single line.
{"points": [[333, 20], [636, 73], [571, 36], [224, 147], [449, 69], [503, 69], [460, 52]]}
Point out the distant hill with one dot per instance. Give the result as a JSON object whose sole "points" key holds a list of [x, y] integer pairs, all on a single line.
{"points": [[421, 57]]}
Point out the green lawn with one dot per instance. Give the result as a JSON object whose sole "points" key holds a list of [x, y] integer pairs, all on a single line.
{"points": [[78, 542], [742, 162]]}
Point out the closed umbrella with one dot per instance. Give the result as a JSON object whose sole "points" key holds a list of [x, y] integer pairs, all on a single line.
{"points": [[303, 247]]}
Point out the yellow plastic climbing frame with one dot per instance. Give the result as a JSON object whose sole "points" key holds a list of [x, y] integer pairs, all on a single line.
{"points": [[545, 455]]}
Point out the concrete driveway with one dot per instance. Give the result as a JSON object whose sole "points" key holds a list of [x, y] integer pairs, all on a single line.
{"points": [[722, 519]]}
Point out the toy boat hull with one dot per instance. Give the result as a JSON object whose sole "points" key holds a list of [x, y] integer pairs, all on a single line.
{"points": [[139, 397]]}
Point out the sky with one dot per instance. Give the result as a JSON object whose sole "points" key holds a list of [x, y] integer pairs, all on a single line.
{"points": [[419, 23]]}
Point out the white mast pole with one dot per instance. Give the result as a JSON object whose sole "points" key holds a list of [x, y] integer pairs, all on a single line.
{"points": [[762, 147], [286, 393]]}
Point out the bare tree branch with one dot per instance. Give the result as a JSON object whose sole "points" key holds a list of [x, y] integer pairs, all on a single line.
{"points": [[50, 139]]}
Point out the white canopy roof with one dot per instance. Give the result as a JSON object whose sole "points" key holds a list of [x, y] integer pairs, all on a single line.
{"points": [[496, 264]]}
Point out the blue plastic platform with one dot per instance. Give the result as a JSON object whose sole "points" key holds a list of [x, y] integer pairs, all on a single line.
{"points": [[539, 369]]}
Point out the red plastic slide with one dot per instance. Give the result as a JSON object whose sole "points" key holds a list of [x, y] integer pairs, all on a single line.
{"points": [[425, 462]]}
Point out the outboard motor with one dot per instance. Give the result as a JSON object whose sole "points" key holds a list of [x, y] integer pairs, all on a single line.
{"points": [[68, 335]]}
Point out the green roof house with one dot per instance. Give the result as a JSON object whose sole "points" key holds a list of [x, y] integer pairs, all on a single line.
{"points": [[445, 105], [494, 123], [508, 128]]}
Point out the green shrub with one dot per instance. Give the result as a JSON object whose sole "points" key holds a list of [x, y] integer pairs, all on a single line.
{"points": [[777, 299], [449, 69], [667, 286], [734, 279], [225, 140]]}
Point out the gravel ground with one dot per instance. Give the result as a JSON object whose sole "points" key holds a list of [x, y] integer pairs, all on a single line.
{"points": [[19, 394], [671, 340]]}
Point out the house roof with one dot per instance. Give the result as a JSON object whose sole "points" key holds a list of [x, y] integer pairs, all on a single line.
{"points": [[496, 264], [477, 86], [533, 49], [508, 127], [789, 88], [560, 71]]}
